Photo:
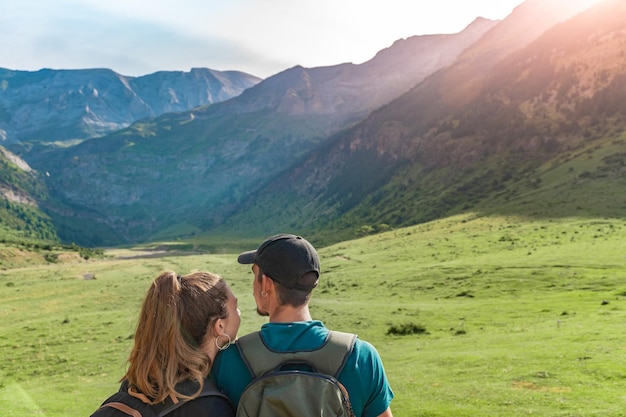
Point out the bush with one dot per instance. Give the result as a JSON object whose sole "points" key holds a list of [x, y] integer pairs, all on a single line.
{"points": [[406, 329]]}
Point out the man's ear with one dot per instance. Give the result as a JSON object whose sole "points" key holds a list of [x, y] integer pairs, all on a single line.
{"points": [[267, 284]]}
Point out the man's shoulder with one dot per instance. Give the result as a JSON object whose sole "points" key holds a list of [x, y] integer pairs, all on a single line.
{"points": [[363, 344], [360, 345], [364, 353]]}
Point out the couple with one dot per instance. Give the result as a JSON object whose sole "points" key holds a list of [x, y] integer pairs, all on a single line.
{"points": [[187, 324]]}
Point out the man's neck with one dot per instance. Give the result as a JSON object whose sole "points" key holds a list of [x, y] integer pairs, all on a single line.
{"points": [[288, 314]]}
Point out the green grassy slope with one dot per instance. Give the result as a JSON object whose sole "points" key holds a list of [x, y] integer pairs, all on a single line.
{"points": [[22, 192], [585, 181], [473, 315]]}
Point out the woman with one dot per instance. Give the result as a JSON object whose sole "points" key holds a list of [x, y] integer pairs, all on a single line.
{"points": [[184, 322]]}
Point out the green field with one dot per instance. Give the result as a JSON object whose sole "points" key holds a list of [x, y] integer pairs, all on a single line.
{"points": [[473, 316]]}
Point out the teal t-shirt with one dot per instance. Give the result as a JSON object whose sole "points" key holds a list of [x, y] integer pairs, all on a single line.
{"points": [[363, 374]]}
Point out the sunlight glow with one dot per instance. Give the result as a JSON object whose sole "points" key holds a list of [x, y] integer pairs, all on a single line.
{"points": [[257, 36]]}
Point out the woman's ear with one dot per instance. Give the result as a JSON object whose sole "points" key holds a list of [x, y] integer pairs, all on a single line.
{"points": [[217, 328]]}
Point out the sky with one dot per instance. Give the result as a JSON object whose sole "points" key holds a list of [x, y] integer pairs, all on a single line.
{"points": [[260, 37]]}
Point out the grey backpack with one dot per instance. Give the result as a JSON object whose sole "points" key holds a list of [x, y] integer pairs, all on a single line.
{"points": [[295, 384]]}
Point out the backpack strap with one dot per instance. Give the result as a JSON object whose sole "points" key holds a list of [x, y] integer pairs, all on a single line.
{"points": [[124, 408], [130, 404], [328, 359], [126, 404]]}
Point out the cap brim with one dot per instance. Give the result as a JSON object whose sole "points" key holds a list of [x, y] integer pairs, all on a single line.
{"points": [[247, 257]]}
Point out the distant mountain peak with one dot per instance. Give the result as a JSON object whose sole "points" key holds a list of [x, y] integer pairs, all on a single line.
{"points": [[82, 104]]}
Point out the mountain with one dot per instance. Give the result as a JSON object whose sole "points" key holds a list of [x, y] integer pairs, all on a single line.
{"points": [[181, 173], [485, 134], [58, 105], [349, 91], [522, 117], [23, 192]]}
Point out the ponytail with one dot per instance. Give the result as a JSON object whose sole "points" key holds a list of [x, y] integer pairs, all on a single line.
{"points": [[172, 326]]}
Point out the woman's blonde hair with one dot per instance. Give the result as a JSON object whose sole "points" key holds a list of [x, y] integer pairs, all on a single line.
{"points": [[173, 324]]}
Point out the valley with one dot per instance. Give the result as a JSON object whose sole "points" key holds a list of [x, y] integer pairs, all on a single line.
{"points": [[472, 315]]}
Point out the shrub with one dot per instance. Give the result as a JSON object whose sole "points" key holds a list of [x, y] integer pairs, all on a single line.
{"points": [[52, 257], [406, 329]]}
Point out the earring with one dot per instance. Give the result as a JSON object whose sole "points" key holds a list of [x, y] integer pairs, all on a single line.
{"points": [[263, 294], [220, 348]]}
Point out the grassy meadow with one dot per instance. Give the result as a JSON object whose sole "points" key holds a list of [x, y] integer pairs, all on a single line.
{"points": [[473, 316]]}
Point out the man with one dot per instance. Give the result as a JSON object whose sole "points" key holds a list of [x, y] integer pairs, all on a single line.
{"points": [[286, 269]]}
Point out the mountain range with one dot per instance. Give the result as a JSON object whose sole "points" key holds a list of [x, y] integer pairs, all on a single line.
{"points": [[59, 105], [431, 126]]}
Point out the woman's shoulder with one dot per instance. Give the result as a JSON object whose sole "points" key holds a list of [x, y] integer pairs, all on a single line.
{"points": [[206, 406]]}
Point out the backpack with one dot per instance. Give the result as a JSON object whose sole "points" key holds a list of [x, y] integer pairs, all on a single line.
{"points": [[122, 404], [295, 384]]}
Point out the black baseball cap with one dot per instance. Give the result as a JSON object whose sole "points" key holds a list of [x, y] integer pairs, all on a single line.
{"points": [[285, 258]]}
